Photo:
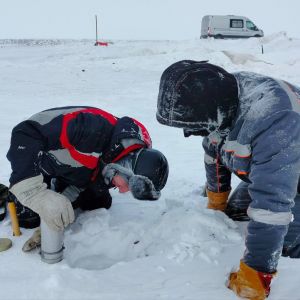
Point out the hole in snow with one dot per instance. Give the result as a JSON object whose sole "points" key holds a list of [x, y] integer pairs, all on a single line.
{"points": [[179, 231]]}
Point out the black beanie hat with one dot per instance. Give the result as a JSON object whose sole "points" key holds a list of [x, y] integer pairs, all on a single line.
{"points": [[197, 96]]}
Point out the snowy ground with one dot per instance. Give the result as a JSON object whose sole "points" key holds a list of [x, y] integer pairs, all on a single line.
{"points": [[170, 249]]}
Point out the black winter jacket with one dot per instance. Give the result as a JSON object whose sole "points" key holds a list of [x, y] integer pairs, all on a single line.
{"points": [[70, 143]]}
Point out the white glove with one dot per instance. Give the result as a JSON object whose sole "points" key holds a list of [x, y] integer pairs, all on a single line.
{"points": [[55, 209]]}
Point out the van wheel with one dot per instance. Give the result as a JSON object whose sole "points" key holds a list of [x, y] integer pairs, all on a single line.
{"points": [[257, 36], [219, 36]]}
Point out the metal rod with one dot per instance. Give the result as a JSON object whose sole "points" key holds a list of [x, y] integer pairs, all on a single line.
{"points": [[96, 28]]}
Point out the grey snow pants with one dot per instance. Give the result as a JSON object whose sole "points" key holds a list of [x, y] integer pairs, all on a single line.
{"points": [[236, 209]]}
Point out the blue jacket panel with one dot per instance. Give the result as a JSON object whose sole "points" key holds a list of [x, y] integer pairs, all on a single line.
{"points": [[263, 148]]}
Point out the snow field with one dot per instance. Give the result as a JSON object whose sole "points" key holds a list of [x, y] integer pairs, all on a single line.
{"points": [[171, 249]]}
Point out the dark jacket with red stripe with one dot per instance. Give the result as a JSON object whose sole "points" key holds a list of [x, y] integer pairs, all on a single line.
{"points": [[69, 143]]}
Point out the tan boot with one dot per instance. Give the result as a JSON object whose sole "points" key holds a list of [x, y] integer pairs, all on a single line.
{"points": [[33, 242], [217, 201]]}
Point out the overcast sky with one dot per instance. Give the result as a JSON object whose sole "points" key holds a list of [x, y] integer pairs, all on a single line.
{"points": [[137, 19]]}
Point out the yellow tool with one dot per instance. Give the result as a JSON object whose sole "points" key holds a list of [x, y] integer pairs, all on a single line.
{"points": [[14, 219]]}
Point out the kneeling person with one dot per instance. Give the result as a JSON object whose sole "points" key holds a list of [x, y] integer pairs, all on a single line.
{"points": [[250, 124], [69, 157]]}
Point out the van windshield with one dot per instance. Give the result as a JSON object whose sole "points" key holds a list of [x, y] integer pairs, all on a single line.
{"points": [[251, 26]]}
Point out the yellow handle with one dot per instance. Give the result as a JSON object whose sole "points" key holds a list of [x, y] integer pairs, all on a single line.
{"points": [[14, 219]]}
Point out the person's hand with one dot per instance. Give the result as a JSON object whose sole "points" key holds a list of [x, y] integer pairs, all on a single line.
{"points": [[33, 242], [217, 201], [249, 283], [54, 209]]}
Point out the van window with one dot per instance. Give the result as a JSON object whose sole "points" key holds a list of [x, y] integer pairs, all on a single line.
{"points": [[236, 23], [250, 25]]}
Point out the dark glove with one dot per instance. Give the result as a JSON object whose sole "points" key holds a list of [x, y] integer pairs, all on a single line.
{"points": [[90, 199], [249, 283], [197, 132]]}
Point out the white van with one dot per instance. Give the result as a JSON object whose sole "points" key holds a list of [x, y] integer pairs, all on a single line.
{"points": [[229, 27]]}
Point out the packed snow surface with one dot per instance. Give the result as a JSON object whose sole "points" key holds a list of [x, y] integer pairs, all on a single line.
{"points": [[173, 248]]}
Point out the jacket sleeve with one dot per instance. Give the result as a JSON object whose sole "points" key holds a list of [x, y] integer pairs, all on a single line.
{"points": [[274, 177], [218, 177], [26, 144]]}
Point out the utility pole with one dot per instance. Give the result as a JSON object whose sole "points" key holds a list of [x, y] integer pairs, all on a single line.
{"points": [[98, 43], [96, 28]]}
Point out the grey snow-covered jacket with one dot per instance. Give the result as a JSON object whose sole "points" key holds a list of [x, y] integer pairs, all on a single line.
{"points": [[262, 148], [251, 127]]}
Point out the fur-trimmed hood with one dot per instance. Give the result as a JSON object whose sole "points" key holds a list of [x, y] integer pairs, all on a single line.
{"points": [[197, 96]]}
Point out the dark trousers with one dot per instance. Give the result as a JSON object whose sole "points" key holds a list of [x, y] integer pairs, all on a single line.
{"points": [[88, 199], [236, 209]]}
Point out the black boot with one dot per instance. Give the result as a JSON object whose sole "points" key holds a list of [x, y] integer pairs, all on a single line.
{"points": [[2, 211], [238, 203], [3, 200], [292, 252], [291, 245], [27, 218], [237, 214]]}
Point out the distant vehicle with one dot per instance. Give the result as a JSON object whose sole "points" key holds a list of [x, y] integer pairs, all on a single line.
{"points": [[229, 26]]}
